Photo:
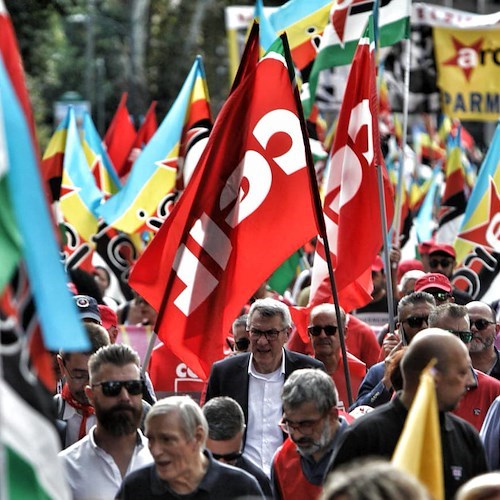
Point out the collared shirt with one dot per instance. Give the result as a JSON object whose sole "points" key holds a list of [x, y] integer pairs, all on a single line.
{"points": [[92, 474], [73, 420], [264, 414]]}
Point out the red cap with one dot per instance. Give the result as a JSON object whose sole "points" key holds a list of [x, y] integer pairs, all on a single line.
{"points": [[433, 280], [442, 248], [378, 264], [423, 248], [408, 265], [108, 316]]}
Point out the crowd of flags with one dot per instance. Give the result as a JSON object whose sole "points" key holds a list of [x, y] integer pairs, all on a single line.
{"points": [[206, 210]]}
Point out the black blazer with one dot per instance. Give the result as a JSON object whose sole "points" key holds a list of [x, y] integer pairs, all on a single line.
{"points": [[229, 377]]}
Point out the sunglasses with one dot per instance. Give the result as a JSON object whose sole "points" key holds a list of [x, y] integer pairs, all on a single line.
{"points": [[440, 262], [416, 321], [242, 344], [112, 388], [481, 323], [228, 457], [441, 296], [464, 335], [315, 331]]}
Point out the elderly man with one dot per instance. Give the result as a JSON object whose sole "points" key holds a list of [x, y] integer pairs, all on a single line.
{"points": [[484, 328], [255, 379], [377, 433], [311, 419], [226, 427], [484, 389], [96, 465], [324, 335], [177, 431]]}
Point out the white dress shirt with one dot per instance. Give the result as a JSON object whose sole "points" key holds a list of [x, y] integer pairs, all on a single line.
{"points": [[73, 420]]}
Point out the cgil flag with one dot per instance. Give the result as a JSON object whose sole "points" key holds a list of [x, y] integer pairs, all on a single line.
{"points": [[212, 253], [140, 205], [351, 204]]}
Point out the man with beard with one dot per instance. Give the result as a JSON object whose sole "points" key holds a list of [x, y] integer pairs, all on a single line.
{"points": [[115, 446], [312, 422]]}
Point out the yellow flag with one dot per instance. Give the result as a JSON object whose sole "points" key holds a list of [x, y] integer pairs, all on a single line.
{"points": [[419, 447]]}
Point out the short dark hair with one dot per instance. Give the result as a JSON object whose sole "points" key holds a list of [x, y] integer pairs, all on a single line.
{"points": [[225, 418], [115, 354], [448, 310], [415, 298]]}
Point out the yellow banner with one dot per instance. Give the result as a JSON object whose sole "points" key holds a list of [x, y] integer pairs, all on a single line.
{"points": [[468, 66]]}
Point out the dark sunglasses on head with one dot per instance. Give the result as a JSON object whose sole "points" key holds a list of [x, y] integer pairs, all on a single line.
{"points": [[315, 331], [481, 323], [242, 344], [464, 335], [112, 388], [416, 321], [440, 262], [229, 457]]}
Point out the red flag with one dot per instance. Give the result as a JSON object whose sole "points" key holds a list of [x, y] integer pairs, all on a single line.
{"points": [[120, 136], [351, 204], [246, 209]]}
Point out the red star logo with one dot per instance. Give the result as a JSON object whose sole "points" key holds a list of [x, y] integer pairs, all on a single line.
{"points": [[487, 234], [466, 56], [68, 191]]}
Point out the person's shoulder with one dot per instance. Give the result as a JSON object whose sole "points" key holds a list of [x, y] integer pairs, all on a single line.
{"points": [[232, 362], [239, 479], [487, 382], [139, 475], [303, 360], [76, 449]]}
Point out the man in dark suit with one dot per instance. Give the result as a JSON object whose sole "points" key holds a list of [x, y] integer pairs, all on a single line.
{"points": [[255, 379]]}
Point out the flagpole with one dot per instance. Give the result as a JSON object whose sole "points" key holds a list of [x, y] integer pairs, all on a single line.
{"points": [[406, 98], [149, 350], [318, 209]]}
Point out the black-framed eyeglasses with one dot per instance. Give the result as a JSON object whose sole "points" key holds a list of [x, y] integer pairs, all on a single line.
{"points": [[242, 344], [304, 426], [464, 335], [80, 376], [316, 330], [269, 334], [228, 457], [441, 296], [481, 323], [440, 262], [111, 388], [416, 321]]}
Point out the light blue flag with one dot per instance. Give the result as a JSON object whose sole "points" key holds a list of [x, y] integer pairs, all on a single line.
{"points": [[424, 222], [60, 324], [267, 35]]}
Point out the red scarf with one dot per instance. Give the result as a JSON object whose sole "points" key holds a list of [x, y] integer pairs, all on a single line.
{"points": [[85, 409]]}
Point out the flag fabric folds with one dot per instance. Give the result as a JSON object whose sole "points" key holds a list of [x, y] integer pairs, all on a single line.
{"points": [[419, 447], [213, 251], [351, 206], [139, 204]]}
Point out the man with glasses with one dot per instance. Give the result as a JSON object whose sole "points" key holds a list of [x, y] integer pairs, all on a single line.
{"points": [[74, 412], [226, 426], [483, 353], [325, 340], [413, 313], [255, 379], [240, 334], [311, 420], [438, 285], [442, 260], [115, 446], [484, 389]]}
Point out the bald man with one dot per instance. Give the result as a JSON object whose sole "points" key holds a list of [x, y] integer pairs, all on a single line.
{"points": [[377, 433]]}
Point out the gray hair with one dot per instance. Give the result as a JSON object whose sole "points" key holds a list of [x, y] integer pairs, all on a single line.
{"points": [[114, 354], [415, 298], [445, 311], [98, 337], [269, 308], [190, 415], [307, 385], [225, 418], [240, 321], [369, 479], [412, 274], [329, 309]]}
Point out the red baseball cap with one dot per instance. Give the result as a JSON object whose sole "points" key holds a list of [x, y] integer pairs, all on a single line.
{"points": [[378, 264], [433, 280], [442, 248], [423, 248], [108, 316], [407, 265]]}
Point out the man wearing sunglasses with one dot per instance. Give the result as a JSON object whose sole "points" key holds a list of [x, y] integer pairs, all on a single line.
{"points": [[438, 285], [226, 427], [240, 334], [484, 389], [442, 260], [255, 379], [483, 353], [115, 446], [311, 420]]}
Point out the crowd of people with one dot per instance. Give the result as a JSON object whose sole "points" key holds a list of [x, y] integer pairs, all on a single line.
{"points": [[278, 418]]}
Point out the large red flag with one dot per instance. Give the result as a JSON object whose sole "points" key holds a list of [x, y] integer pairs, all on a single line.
{"points": [[246, 209], [351, 204], [120, 136]]}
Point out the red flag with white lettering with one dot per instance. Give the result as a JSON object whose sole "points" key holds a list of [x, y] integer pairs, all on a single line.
{"points": [[351, 205], [247, 208]]}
